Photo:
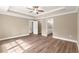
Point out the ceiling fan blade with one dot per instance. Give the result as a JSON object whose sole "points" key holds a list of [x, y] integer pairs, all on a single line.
{"points": [[29, 8], [37, 13], [41, 10], [30, 11], [35, 6]]}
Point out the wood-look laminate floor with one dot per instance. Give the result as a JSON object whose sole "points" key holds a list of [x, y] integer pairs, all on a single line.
{"points": [[37, 44]]}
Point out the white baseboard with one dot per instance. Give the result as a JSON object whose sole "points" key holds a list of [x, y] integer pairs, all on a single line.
{"points": [[13, 37], [70, 40]]}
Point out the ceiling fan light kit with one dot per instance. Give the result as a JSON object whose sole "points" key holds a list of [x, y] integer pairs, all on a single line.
{"points": [[35, 9]]}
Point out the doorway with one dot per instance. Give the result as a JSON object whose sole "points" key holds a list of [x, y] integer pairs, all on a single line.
{"points": [[50, 27], [39, 28], [34, 27]]}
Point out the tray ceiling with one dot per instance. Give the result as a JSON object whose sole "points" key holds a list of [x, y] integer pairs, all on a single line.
{"points": [[47, 9]]}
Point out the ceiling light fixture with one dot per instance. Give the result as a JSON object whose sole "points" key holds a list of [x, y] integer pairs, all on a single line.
{"points": [[35, 9]]}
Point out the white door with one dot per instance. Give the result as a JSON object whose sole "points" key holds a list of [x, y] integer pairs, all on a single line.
{"points": [[35, 27]]}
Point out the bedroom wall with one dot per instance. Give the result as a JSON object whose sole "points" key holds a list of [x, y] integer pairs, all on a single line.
{"points": [[65, 26], [13, 26]]}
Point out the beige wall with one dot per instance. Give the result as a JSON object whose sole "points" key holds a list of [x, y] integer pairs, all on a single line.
{"points": [[12, 26], [65, 26]]}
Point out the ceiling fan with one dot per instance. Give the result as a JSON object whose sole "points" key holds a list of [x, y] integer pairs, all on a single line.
{"points": [[35, 9]]}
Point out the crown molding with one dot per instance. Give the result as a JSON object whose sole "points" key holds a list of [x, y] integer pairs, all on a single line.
{"points": [[19, 12], [51, 16], [16, 15], [57, 9]]}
